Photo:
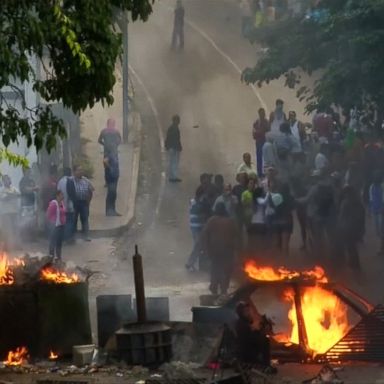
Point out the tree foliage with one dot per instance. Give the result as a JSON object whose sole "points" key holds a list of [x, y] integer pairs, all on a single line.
{"points": [[76, 47], [345, 45]]}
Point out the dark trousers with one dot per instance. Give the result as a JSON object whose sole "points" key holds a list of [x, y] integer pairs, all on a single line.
{"points": [[347, 247], [259, 157], [56, 240], [69, 228], [302, 219], [221, 271], [256, 349], [110, 201], [178, 37], [82, 211]]}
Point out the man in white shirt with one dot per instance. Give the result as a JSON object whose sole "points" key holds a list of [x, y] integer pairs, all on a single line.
{"points": [[246, 166], [321, 160]]}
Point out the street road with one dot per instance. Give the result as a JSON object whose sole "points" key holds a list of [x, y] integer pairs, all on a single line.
{"points": [[201, 84]]}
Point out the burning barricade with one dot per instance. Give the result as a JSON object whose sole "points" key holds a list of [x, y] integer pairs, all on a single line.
{"points": [[44, 307]]}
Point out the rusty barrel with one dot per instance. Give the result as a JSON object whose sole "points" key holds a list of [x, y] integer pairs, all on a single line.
{"points": [[143, 343]]}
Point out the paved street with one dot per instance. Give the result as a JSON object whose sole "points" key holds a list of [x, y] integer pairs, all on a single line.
{"points": [[201, 84]]}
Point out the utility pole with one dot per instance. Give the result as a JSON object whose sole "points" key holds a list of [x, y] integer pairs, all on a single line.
{"points": [[124, 29]]}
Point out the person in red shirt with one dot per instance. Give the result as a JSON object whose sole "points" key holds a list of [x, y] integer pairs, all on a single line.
{"points": [[323, 125], [260, 128]]}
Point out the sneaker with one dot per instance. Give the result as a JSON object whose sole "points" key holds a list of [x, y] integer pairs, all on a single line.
{"points": [[178, 180], [172, 180]]}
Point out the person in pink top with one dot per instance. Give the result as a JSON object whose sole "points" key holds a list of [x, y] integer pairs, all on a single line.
{"points": [[56, 221]]}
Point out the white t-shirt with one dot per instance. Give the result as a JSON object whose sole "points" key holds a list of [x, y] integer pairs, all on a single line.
{"points": [[321, 161]]}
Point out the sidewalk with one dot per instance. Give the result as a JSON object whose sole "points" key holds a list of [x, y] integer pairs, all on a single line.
{"points": [[92, 121]]}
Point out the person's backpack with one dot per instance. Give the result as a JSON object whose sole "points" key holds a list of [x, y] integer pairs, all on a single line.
{"points": [[324, 200]]}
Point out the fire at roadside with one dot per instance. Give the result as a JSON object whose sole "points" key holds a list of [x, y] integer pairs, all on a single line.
{"points": [[28, 270]]}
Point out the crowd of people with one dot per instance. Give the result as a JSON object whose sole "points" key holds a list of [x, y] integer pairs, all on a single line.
{"points": [[64, 198], [323, 176]]}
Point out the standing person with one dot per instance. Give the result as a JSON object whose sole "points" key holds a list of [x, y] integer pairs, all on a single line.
{"points": [[83, 192], [246, 17], [49, 187], [56, 222], [321, 159], [351, 226], [299, 182], [28, 190], [220, 239], [247, 166], [277, 117], [260, 128], [111, 174], [270, 158], [229, 200], [178, 26], [271, 11], [173, 146], [67, 188], [376, 204], [9, 206], [218, 182], [247, 201], [110, 137], [297, 129], [323, 125], [199, 212]]}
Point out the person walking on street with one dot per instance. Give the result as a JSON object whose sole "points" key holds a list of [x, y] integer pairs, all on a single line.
{"points": [[178, 26], [83, 191], [173, 147], [111, 170], [110, 137], [63, 186], [260, 128], [220, 239], [56, 222]]}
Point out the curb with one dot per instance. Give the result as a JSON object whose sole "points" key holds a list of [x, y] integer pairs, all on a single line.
{"points": [[130, 215]]}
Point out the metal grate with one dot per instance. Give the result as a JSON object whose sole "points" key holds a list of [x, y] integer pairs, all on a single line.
{"points": [[176, 381], [45, 381], [364, 342]]}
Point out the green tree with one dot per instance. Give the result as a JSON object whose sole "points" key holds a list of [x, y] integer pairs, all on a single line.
{"points": [[343, 40], [76, 46]]}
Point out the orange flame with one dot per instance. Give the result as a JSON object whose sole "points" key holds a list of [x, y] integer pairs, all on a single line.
{"points": [[325, 317], [17, 357], [270, 274], [53, 355], [51, 274], [6, 273]]}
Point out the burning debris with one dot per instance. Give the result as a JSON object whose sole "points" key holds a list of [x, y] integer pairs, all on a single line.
{"points": [[17, 357], [270, 274], [26, 270], [323, 313]]}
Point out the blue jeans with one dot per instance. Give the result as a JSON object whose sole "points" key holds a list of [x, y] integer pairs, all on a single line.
{"points": [[56, 240], [378, 220], [259, 157], [197, 249], [173, 163], [82, 211], [69, 228]]}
